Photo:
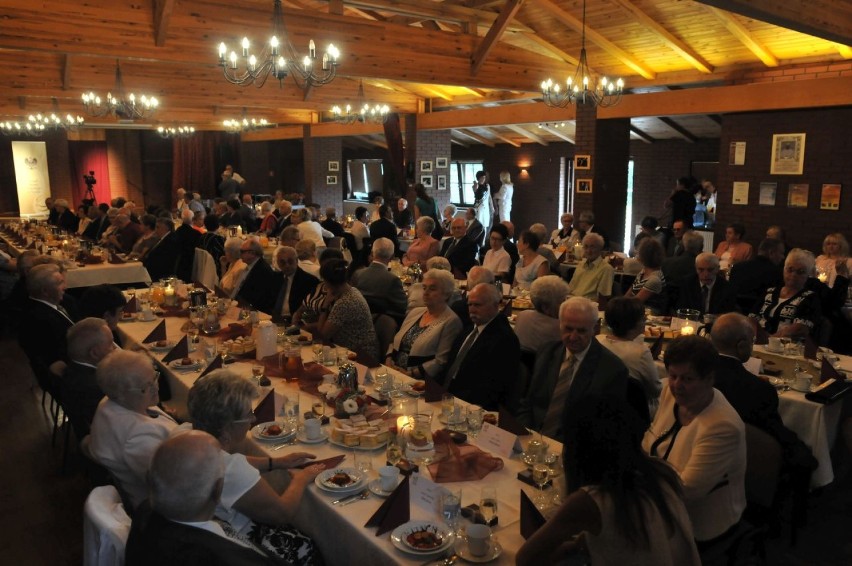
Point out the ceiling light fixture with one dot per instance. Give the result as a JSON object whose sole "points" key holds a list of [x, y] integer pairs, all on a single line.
{"points": [[305, 70], [39, 124], [245, 124], [129, 107], [175, 132], [366, 113]]}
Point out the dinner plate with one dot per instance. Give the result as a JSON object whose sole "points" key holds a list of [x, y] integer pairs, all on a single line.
{"points": [[399, 537], [340, 493], [359, 447], [301, 437], [258, 432], [463, 550], [169, 345], [375, 487], [177, 365], [323, 480], [132, 318]]}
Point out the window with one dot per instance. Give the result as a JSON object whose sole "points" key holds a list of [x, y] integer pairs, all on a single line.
{"points": [[462, 178], [628, 212]]}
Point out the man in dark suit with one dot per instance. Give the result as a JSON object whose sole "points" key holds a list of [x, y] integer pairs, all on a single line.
{"points": [[752, 277], [89, 341], [475, 276], [459, 250], [175, 527], [567, 371], [187, 239], [385, 228], [163, 257], [331, 224], [677, 268], [586, 224], [487, 359], [260, 285], [294, 283], [285, 208], [99, 222], [66, 219], [381, 288], [511, 248], [706, 290], [475, 231], [674, 247]]}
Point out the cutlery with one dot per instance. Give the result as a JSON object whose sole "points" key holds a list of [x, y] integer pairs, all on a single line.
{"points": [[352, 498], [448, 561], [280, 446]]}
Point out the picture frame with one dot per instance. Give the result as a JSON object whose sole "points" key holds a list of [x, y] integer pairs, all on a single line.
{"points": [[426, 180], [442, 162], [583, 162], [768, 193], [425, 166], [334, 166], [788, 154], [829, 198], [331, 179], [442, 182], [797, 195], [584, 186], [739, 195]]}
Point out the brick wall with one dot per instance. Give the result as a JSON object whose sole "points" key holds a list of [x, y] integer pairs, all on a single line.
{"points": [[432, 144], [325, 150], [798, 72]]}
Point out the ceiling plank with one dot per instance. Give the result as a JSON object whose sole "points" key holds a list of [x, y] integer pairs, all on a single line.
{"points": [[527, 134], [162, 15], [458, 142], [740, 32], [475, 137], [335, 7], [494, 33], [430, 24], [557, 133], [596, 37], [489, 98], [686, 134], [536, 38], [715, 118], [642, 135], [366, 14], [819, 19], [436, 11], [503, 138], [668, 38]]}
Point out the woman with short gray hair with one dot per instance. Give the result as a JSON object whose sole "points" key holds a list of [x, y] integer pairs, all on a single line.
{"points": [[424, 245], [220, 404], [541, 325], [791, 310]]}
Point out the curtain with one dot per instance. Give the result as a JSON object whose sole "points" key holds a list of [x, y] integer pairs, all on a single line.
{"points": [[197, 164], [89, 156]]}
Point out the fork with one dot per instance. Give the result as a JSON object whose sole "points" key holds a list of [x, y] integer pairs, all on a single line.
{"points": [[282, 445], [353, 498]]}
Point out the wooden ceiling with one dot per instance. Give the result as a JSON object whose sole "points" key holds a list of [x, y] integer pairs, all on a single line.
{"points": [[417, 56]]}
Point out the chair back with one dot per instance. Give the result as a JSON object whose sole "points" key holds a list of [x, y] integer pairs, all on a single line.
{"points": [[105, 528], [386, 328], [204, 269], [763, 466]]}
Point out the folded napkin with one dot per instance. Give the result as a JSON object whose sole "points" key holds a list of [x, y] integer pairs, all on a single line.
{"points": [[180, 351], [509, 423], [531, 517], [434, 391], [265, 411], [159, 333], [472, 514], [827, 372], [329, 463], [460, 462], [395, 511], [811, 348], [132, 305], [657, 347], [215, 364]]}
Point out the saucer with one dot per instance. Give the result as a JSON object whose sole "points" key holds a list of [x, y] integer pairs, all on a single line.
{"points": [[774, 350], [808, 390], [463, 551], [375, 487], [301, 437]]}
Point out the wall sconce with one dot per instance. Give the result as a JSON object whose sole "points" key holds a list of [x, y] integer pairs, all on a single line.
{"points": [[525, 174]]}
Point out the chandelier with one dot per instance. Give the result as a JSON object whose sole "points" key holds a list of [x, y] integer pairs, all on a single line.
{"points": [[175, 132], [124, 107], [376, 114], [271, 61], [38, 124], [578, 91], [245, 124]]}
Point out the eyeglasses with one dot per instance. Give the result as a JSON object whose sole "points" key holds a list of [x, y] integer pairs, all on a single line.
{"points": [[153, 383], [792, 270], [251, 419]]}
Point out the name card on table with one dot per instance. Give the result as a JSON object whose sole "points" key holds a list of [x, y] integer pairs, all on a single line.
{"points": [[498, 441], [425, 493]]}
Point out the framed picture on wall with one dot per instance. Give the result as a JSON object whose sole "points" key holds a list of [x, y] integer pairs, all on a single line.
{"points": [[442, 182], [830, 197], [584, 186], [797, 195], [441, 162], [768, 192], [426, 166], [331, 179], [426, 180], [788, 154], [334, 165], [583, 162]]}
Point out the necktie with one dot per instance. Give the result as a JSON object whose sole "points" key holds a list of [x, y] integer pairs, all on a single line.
{"points": [[553, 419], [468, 343], [61, 309], [451, 247], [705, 296], [280, 302]]}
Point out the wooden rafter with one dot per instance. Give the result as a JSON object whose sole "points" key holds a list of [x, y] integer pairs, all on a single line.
{"points": [[605, 44], [502, 138], [459, 142], [162, 15], [555, 50], [527, 134], [436, 11], [475, 137], [557, 133], [740, 32], [641, 135], [335, 7], [686, 134], [366, 14], [488, 98], [494, 33]]}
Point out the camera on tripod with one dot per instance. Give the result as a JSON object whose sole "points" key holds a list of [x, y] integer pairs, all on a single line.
{"points": [[90, 179]]}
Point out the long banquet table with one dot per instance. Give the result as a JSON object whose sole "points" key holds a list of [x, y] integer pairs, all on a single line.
{"points": [[339, 531]]}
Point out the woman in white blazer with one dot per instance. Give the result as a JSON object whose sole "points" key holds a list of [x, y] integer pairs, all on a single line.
{"points": [[423, 344]]}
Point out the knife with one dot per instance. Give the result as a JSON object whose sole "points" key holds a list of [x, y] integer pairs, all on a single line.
{"points": [[346, 500]]}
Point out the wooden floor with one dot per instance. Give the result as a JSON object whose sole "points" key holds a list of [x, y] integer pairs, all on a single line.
{"points": [[41, 508]]}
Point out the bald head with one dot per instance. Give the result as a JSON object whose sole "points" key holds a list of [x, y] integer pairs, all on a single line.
{"points": [[458, 227], [733, 335]]}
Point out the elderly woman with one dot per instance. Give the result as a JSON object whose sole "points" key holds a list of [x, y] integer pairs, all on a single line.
{"points": [[83, 215], [791, 310], [306, 251], [220, 404], [269, 222], [700, 434], [447, 216], [128, 426], [540, 326], [650, 284], [232, 266], [531, 265], [415, 291], [308, 228], [733, 249], [626, 319], [424, 342], [566, 236], [148, 239], [344, 315], [497, 259], [424, 245], [834, 259]]}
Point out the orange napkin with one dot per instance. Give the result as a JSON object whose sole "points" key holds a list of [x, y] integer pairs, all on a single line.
{"points": [[464, 462], [159, 333], [395, 511], [180, 351]]}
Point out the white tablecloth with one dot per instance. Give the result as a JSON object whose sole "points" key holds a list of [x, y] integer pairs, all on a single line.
{"points": [[113, 274]]}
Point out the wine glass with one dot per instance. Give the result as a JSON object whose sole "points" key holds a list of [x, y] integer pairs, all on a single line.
{"points": [[474, 420], [318, 409], [257, 371], [316, 348], [192, 332], [488, 504], [540, 473]]}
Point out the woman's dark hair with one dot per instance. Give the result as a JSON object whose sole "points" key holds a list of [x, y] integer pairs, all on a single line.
{"points": [[696, 351], [329, 254], [500, 229], [360, 212], [738, 229], [651, 253], [333, 271], [602, 448], [420, 191], [100, 299], [649, 222], [85, 208], [623, 314], [211, 222], [530, 239]]}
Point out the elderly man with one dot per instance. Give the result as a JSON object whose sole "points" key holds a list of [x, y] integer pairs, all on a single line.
{"points": [[99, 222], [180, 202], [43, 328], [566, 236], [706, 290], [593, 276], [52, 215], [176, 527], [511, 248], [126, 234], [567, 371], [66, 218], [163, 256], [258, 285], [677, 268], [402, 217], [228, 188], [475, 276], [674, 247], [540, 230], [195, 205], [751, 278], [187, 238], [586, 224], [384, 227], [294, 283], [285, 209], [485, 366], [89, 341], [459, 250], [381, 288], [128, 426], [475, 231], [331, 224]]}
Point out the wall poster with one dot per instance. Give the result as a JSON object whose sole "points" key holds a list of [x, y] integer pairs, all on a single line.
{"points": [[30, 159], [797, 195], [788, 154], [768, 192], [740, 192], [830, 197]]}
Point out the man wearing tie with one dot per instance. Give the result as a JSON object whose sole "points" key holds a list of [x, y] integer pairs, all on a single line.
{"points": [[705, 290], [459, 250], [294, 284], [567, 371], [258, 286], [43, 329]]}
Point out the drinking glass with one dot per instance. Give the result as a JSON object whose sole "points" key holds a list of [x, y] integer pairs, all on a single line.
{"points": [[316, 348], [342, 356], [540, 473], [474, 420], [451, 507], [394, 451], [381, 379], [192, 332], [318, 409], [257, 371], [222, 347], [363, 461], [291, 411], [447, 404], [488, 504]]}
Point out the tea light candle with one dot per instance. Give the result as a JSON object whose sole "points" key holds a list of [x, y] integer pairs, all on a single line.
{"points": [[169, 295], [687, 330], [822, 276]]}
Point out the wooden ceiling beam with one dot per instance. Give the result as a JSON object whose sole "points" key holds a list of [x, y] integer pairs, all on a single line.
{"points": [[436, 11], [335, 7], [554, 49], [677, 128], [739, 31], [557, 133], [641, 135], [564, 17], [366, 14], [510, 8], [844, 50], [458, 142], [162, 15], [503, 138], [527, 134], [678, 46], [829, 20], [475, 137]]}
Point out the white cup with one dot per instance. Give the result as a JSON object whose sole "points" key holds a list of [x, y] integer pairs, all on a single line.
{"points": [[388, 477], [774, 344], [478, 539], [312, 429], [803, 382]]}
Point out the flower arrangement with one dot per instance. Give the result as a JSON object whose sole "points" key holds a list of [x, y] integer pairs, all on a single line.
{"points": [[349, 402]]}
